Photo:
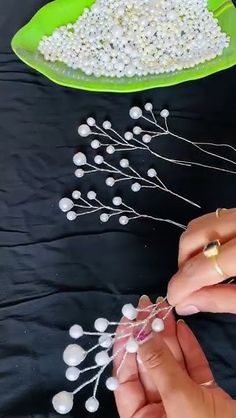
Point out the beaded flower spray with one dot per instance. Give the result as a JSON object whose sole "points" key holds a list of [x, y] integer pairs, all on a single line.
{"points": [[140, 139], [107, 348]]}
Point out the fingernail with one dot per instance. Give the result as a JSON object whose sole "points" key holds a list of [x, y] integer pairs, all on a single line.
{"points": [[139, 360], [159, 299], [144, 298], [181, 320], [187, 310]]}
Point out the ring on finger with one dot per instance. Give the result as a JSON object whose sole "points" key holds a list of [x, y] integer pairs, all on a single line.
{"points": [[212, 251], [219, 212]]}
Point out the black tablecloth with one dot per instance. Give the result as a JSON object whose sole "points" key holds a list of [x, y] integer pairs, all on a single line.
{"points": [[55, 273]]}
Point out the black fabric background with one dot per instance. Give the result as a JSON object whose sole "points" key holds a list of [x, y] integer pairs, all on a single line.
{"points": [[54, 273]]}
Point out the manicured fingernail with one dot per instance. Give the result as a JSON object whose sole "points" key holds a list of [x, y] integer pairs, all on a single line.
{"points": [[181, 321], [159, 299], [187, 310], [144, 298]]}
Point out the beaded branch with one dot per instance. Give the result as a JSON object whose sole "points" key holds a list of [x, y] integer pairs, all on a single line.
{"points": [[123, 171], [133, 332]]}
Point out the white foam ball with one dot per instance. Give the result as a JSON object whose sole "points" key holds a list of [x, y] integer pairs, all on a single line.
{"points": [[80, 159], [101, 324], [79, 173], [129, 311], [158, 325], [102, 358], [99, 159], [135, 112], [137, 130], [105, 341], [110, 149], [63, 402], [146, 138], [72, 374], [95, 144], [123, 220], [164, 113], [91, 195], [76, 331], [124, 163], [104, 217], [84, 130], [110, 181], [92, 404], [128, 136], [135, 187], [132, 346], [148, 107], [106, 125], [117, 201], [151, 172], [112, 383], [66, 204], [71, 216], [73, 355], [91, 121]]}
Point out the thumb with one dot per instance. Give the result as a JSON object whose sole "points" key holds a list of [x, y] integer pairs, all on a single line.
{"points": [[172, 382]]}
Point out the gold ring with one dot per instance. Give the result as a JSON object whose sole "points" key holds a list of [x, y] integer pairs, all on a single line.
{"points": [[212, 251], [209, 383], [218, 212]]}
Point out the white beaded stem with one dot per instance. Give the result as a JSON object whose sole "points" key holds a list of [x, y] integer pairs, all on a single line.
{"points": [[63, 401]]}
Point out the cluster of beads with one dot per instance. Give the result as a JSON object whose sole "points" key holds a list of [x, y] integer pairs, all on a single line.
{"points": [[74, 354], [137, 37]]}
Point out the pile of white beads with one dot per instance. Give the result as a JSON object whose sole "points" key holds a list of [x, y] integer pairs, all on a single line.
{"points": [[118, 38]]}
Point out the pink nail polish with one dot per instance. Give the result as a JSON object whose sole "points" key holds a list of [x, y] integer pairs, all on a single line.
{"points": [[187, 310]]}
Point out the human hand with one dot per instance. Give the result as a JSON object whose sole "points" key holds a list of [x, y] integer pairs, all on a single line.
{"points": [[195, 287], [164, 386]]}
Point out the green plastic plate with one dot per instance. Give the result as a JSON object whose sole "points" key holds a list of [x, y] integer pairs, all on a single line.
{"points": [[61, 12]]}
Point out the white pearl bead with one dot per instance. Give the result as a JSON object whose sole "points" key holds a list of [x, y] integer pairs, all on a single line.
{"points": [[117, 201], [99, 159], [128, 136], [79, 173], [92, 404], [66, 204], [73, 355], [148, 107], [158, 325], [71, 216], [76, 194], [104, 217], [106, 125], [91, 195], [95, 144], [105, 341], [123, 220], [110, 149], [79, 159], [137, 130], [101, 324], [102, 358], [91, 121], [129, 311], [132, 346], [112, 383], [63, 402], [72, 374], [151, 172], [124, 163], [164, 113], [146, 138], [135, 187], [84, 130], [76, 331], [110, 181], [135, 112]]}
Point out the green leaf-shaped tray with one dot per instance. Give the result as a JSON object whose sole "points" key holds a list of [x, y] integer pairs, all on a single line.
{"points": [[61, 12]]}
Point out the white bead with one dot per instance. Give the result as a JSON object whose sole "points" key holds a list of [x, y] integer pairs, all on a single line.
{"points": [[123, 220], [135, 187], [106, 125], [151, 172], [91, 121], [110, 181], [73, 355], [99, 159], [92, 404], [66, 204], [132, 346], [128, 135], [117, 201], [91, 195], [101, 324], [146, 138], [129, 311], [95, 144], [104, 217], [71, 216], [158, 325], [110, 149], [84, 130], [137, 130], [164, 113], [76, 194], [79, 159], [148, 107], [63, 402], [79, 173], [135, 112], [72, 374], [102, 358], [105, 341], [124, 163], [76, 331], [112, 383]]}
